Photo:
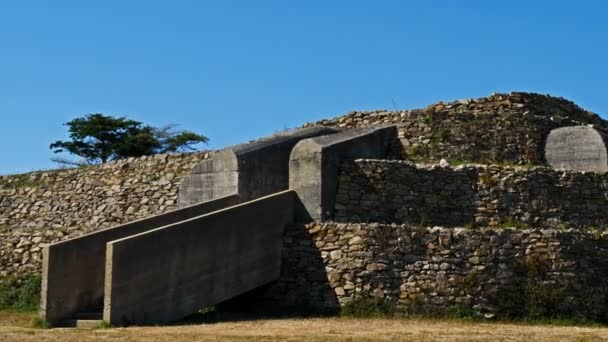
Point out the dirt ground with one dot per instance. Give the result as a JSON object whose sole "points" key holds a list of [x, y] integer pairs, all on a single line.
{"points": [[18, 327]]}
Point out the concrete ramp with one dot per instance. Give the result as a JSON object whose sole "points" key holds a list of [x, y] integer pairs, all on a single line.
{"points": [[167, 273], [166, 267], [73, 270]]}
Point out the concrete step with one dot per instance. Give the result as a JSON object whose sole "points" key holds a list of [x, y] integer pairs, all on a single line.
{"points": [[85, 320], [95, 315], [82, 323]]}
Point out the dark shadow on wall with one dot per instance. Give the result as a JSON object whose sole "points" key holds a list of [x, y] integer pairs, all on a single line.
{"points": [[302, 289], [587, 292], [396, 150], [401, 193]]}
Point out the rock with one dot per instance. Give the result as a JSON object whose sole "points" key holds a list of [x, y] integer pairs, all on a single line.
{"points": [[334, 255]]}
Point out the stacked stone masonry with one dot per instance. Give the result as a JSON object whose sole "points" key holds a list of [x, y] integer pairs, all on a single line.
{"points": [[380, 244], [470, 195], [500, 128], [505, 272], [44, 207]]}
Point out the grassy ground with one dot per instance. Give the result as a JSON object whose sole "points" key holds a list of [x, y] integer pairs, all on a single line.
{"points": [[17, 326]]}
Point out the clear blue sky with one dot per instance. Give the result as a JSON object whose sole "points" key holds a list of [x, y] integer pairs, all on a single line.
{"points": [[237, 70]]}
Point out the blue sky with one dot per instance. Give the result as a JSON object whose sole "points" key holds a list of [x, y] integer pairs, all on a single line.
{"points": [[237, 70]]}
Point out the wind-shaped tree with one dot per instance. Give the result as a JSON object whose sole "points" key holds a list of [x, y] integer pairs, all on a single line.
{"points": [[99, 138]]}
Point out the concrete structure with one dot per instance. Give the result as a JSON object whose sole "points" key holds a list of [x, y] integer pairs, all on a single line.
{"points": [[314, 165], [579, 148], [250, 170], [73, 270], [168, 273]]}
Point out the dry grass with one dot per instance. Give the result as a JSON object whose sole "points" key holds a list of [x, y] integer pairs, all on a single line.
{"points": [[18, 328]]}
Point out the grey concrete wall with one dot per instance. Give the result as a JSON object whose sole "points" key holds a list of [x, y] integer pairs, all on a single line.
{"points": [[171, 272], [314, 164], [579, 148], [73, 270], [250, 170]]}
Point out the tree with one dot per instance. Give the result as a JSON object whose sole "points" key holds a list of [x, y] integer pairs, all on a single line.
{"points": [[100, 138]]}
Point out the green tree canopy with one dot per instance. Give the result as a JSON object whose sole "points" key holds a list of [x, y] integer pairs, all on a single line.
{"points": [[98, 138]]}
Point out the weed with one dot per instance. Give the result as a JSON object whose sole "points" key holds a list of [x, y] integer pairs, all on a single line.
{"points": [[536, 265], [20, 293], [510, 222], [470, 225], [367, 307], [595, 232], [103, 325], [487, 180], [460, 312], [542, 301], [26, 180], [456, 160], [40, 323], [471, 281], [440, 135]]}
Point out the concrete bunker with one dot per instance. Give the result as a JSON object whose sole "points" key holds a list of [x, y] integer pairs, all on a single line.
{"points": [[250, 170], [578, 148], [314, 165]]}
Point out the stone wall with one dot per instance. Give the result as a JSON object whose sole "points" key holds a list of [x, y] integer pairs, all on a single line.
{"points": [[502, 127], [503, 272], [44, 207], [471, 195]]}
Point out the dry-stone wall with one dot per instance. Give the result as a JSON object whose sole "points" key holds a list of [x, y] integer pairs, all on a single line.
{"points": [[43, 207], [505, 272], [502, 127], [471, 195]]}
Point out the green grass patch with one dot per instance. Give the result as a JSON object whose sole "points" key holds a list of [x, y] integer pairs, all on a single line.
{"points": [[103, 325], [456, 161], [40, 323], [510, 222], [22, 181], [460, 312], [364, 307]]}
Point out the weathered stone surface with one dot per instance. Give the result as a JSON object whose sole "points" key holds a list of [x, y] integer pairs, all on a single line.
{"points": [[580, 148], [509, 128], [249, 170], [49, 206], [474, 195], [432, 269]]}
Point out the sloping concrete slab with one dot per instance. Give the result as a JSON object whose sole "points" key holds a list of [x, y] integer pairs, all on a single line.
{"points": [[73, 270], [171, 272]]}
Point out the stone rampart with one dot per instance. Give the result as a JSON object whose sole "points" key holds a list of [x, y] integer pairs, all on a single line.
{"points": [[49, 206], [470, 195], [500, 128], [504, 272]]}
